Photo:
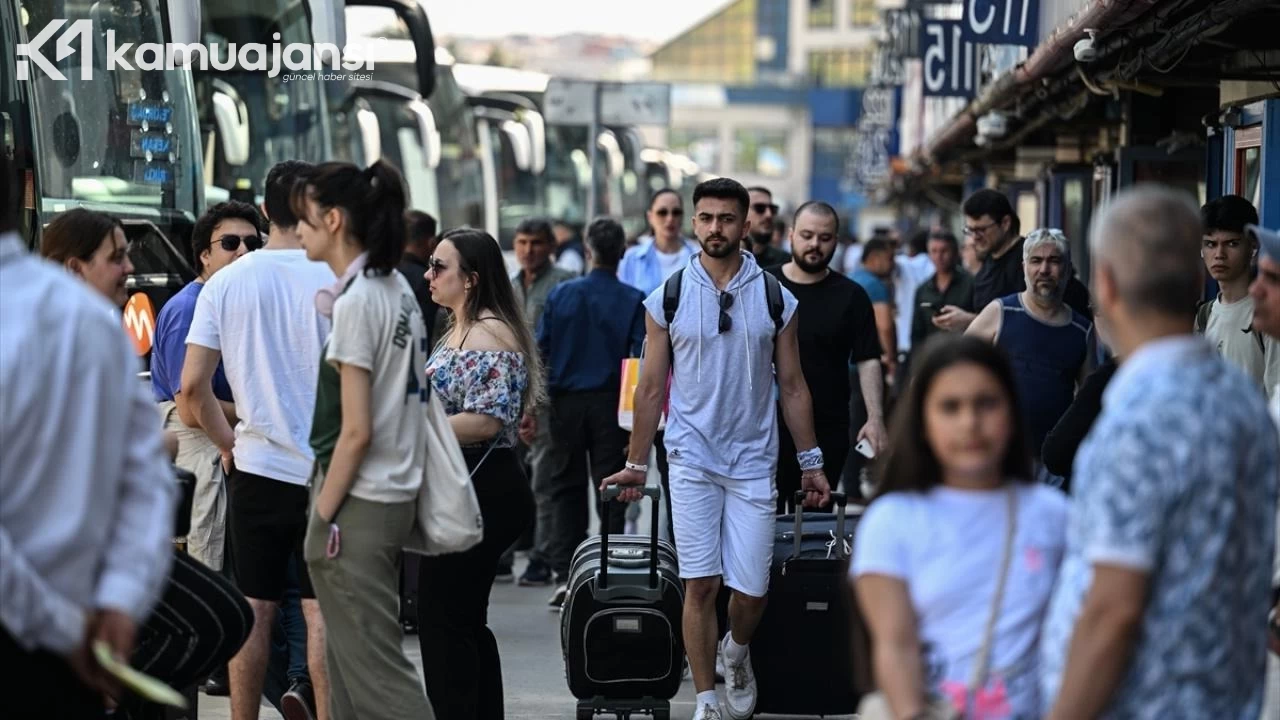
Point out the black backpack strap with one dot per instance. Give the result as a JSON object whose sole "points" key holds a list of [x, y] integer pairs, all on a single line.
{"points": [[773, 295], [671, 296], [1202, 316]]}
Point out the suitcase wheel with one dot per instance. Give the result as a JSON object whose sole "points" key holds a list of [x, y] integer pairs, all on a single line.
{"points": [[585, 711]]}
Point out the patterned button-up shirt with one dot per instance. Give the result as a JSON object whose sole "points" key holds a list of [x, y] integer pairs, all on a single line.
{"points": [[1177, 480]]}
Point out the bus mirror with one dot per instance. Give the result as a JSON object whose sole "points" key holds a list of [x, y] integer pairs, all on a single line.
{"points": [[370, 135], [429, 132], [521, 146], [537, 139], [232, 120], [184, 22]]}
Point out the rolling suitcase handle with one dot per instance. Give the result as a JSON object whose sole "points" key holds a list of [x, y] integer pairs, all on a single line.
{"points": [[611, 493], [840, 499]]}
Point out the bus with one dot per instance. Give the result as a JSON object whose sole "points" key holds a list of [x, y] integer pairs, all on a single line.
{"points": [[125, 141]]}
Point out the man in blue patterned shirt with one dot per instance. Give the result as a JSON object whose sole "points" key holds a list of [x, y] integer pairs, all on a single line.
{"points": [[1167, 570]]}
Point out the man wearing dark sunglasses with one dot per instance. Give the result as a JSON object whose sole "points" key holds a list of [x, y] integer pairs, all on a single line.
{"points": [[761, 213], [221, 236]]}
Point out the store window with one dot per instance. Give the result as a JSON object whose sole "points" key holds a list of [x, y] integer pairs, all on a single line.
{"points": [[862, 13], [840, 68], [760, 152], [702, 145], [822, 13]]}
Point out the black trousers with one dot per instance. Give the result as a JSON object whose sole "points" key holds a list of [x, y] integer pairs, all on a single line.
{"points": [[584, 436], [460, 661], [833, 439]]}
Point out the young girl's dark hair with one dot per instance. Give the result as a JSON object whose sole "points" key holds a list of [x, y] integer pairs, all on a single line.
{"points": [[910, 464], [373, 200]]}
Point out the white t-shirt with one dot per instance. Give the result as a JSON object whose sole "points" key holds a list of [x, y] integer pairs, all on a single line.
{"points": [[946, 545], [260, 313], [1230, 330], [377, 325], [669, 263]]}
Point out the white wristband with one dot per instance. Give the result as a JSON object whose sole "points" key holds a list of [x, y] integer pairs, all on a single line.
{"points": [[637, 468]]}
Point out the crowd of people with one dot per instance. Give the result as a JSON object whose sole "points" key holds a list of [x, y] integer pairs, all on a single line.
{"points": [[1072, 498]]}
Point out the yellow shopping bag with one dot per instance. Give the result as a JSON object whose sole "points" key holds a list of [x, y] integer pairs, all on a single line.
{"points": [[627, 395]]}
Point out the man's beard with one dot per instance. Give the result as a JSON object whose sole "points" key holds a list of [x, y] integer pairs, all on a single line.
{"points": [[1050, 292], [728, 249], [812, 268], [764, 238]]}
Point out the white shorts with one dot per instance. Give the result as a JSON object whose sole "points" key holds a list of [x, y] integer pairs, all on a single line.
{"points": [[724, 527]]}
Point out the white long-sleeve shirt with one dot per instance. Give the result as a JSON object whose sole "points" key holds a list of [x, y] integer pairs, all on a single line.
{"points": [[86, 495]]}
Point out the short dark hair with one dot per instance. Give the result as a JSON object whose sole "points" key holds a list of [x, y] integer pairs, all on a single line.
{"points": [[373, 199], [420, 227], [945, 236], [538, 228], [607, 241], [992, 203], [919, 242], [279, 189], [1229, 213], [910, 464], [877, 245], [818, 207], [723, 188], [76, 233], [202, 233], [761, 188]]}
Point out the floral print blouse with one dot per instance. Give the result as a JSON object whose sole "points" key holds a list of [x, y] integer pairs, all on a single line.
{"points": [[485, 382]]}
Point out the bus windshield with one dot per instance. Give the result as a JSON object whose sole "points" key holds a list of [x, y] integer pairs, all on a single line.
{"points": [[122, 136], [286, 113]]}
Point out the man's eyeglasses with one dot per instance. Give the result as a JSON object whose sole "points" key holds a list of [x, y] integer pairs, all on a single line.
{"points": [[760, 208], [726, 321], [673, 212], [978, 229], [231, 243]]}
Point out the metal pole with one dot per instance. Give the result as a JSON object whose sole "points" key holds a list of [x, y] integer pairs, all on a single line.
{"points": [[592, 132]]}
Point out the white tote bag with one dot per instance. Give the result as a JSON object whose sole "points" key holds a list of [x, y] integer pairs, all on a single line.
{"points": [[449, 519]]}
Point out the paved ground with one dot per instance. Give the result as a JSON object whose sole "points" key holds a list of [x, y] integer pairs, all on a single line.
{"points": [[532, 664]]}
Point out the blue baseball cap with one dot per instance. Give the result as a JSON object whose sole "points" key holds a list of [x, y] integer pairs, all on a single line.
{"points": [[1268, 240]]}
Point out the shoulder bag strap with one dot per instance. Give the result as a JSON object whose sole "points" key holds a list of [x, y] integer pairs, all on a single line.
{"points": [[980, 667]]}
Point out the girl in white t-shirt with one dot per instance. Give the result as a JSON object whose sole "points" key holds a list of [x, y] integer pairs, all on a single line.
{"points": [[930, 548], [366, 434]]}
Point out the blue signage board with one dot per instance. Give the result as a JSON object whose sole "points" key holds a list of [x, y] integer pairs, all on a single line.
{"points": [[1002, 22], [950, 63]]}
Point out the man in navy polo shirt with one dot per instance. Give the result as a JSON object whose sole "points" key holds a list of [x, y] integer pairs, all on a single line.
{"points": [[588, 327], [226, 232]]}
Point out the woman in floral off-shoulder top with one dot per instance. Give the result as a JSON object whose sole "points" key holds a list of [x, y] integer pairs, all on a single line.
{"points": [[487, 373]]}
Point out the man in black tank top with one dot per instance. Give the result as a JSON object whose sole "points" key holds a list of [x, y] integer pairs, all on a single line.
{"points": [[1049, 344]]}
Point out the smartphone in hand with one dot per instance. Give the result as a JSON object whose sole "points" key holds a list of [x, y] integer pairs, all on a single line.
{"points": [[864, 449]]}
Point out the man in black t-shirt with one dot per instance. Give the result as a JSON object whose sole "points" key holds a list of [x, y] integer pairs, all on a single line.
{"points": [[837, 329], [996, 231]]}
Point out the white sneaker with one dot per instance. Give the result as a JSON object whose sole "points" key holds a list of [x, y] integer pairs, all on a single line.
{"points": [[708, 712], [720, 659], [740, 687]]}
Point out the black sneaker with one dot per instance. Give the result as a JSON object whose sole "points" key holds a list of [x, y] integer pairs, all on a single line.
{"points": [[216, 685], [299, 703], [536, 574]]}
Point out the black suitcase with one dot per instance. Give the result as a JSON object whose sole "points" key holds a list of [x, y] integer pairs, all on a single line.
{"points": [[620, 629], [810, 629]]}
